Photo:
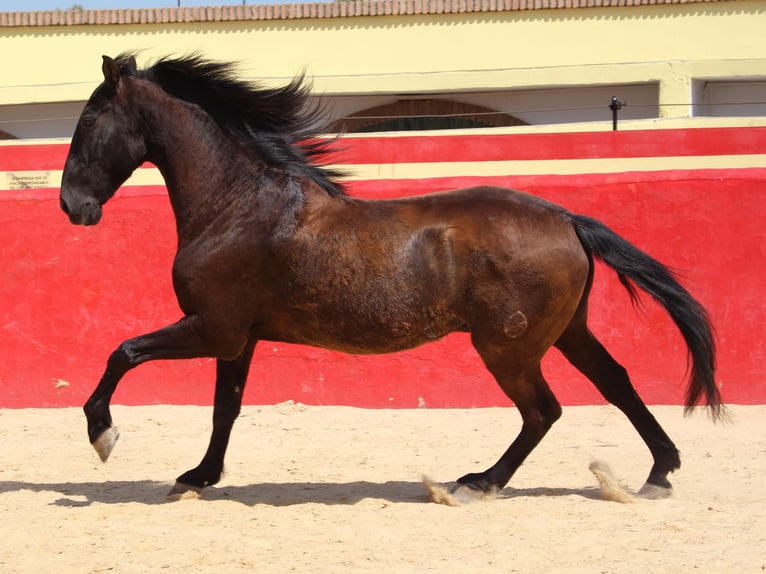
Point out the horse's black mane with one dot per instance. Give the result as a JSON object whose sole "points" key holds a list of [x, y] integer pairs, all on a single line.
{"points": [[277, 122]]}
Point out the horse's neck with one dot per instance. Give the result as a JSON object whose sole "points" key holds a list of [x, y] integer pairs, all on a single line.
{"points": [[194, 157]]}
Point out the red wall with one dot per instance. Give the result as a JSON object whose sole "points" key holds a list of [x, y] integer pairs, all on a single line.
{"points": [[70, 295]]}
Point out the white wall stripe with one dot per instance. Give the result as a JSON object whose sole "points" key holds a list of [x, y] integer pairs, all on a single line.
{"points": [[150, 176]]}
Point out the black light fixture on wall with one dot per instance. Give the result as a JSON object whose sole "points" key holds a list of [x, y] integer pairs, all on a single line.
{"points": [[615, 106]]}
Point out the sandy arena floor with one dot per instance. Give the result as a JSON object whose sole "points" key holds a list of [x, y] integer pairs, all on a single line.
{"points": [[336, 489]]}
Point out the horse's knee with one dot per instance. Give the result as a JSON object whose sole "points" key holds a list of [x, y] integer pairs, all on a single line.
{"points": [[122, 359], [127, 356]]}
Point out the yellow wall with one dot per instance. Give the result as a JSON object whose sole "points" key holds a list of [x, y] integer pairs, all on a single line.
{"points": [[669, 44]]}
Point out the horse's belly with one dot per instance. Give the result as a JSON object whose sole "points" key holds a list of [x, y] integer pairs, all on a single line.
{"points": [[368, 345], [363, 335]]}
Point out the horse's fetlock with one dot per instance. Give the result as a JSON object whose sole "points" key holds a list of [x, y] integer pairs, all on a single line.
{"points": [[672, 461], [200, 478], [97, 411]]}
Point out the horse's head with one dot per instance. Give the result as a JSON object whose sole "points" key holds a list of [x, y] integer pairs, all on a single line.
{"points": [[107, 145]]}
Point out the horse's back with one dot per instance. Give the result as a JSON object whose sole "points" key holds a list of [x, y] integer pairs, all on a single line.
{"points": [[480, 199]]}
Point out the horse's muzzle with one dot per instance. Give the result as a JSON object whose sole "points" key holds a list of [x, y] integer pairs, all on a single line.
{"points": [[87, 213]]}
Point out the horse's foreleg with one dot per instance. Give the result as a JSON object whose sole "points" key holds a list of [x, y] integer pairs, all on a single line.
{"points": [[178, 341], [231, 377]]}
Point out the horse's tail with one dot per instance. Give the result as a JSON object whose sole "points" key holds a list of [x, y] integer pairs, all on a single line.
{"points": [[633, 266]]}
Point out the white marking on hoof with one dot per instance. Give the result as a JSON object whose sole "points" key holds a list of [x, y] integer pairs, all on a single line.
{"points": [[456, 494], [182, 491], [610, 490], [654, 492], [104, 444]]}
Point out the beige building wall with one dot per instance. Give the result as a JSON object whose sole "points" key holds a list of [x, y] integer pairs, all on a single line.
{"points": [[676, 46]]}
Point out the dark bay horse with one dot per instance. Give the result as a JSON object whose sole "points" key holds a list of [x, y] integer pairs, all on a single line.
{"points": [[270, 247]]}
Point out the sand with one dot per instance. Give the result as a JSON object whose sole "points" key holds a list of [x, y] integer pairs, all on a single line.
{"points": [[338, 489]]}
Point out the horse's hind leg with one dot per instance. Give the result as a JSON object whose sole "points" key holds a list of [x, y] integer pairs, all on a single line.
{"points": [[231, 377], [589, 356], [539, 409]]}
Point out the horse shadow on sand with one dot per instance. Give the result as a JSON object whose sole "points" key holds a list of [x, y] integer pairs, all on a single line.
{"points": [[83, 494]]}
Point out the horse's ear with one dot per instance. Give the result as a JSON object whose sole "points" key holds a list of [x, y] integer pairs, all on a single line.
{"points": [[111, 71], [130, 66]]}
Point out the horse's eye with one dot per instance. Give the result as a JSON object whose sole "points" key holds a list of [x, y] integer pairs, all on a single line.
{"points": [[88, 121]]}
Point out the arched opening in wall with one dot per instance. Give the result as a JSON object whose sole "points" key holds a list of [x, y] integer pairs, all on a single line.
{"points": [[423, 114]]}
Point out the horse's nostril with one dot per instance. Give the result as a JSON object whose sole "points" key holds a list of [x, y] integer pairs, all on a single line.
{"points": [[91, 212]]}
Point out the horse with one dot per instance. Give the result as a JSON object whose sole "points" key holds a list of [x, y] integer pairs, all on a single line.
{"points": [[272, 247]]}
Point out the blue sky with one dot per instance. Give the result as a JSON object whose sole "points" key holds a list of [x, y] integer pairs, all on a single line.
{"points": [[27, 5]]}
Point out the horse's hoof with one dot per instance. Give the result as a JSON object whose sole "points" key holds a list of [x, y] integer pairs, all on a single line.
{"points": [[479, 482], [104, 444], [655, 492], [456, 494], [181, 491]]}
